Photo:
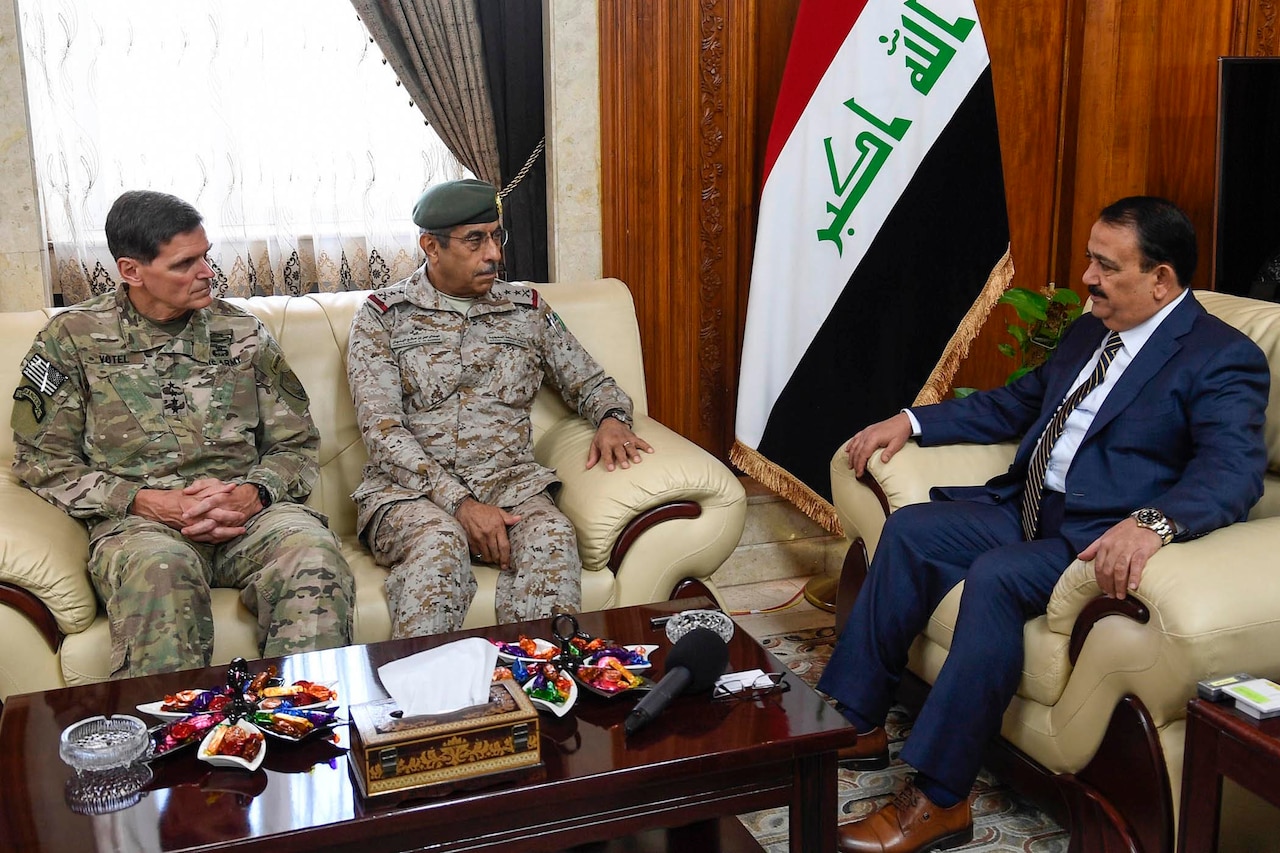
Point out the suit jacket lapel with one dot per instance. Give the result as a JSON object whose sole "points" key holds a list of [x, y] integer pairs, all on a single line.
{"points": [[1159, 348]]}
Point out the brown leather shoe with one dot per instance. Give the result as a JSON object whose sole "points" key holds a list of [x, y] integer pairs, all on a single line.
{"points": [[871, 752], [909, 824]]}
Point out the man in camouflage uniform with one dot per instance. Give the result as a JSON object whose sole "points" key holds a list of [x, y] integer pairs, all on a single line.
{"points": [[443, 367], [170, 424]]}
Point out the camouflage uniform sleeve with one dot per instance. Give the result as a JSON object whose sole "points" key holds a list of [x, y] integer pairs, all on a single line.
{"points": [[373, 373], [48, 425], [581, 380], [288, 441]]}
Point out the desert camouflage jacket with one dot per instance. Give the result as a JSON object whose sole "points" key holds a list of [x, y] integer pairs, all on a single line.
{"points": [[444, 400], [110, 403]]}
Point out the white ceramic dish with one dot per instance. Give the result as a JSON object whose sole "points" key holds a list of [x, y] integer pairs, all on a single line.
{"points": [[559, 710], [542, 646], [233, 760], [153, 708]]}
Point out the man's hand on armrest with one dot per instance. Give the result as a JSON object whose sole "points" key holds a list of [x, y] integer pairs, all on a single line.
{"points": [[615, 445], [890, 434], [1120, 555]]}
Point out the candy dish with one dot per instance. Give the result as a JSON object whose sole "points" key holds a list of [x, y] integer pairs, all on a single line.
{"points": [[612, 681], [538, 684], [103, 742], [252, 732], [685, 621], [153, 708], [177, 735], [320, 719], [594, 658], [543, 650]]}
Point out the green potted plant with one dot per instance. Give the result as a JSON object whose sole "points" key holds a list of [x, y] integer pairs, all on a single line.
{"points": [[1042, 318]]}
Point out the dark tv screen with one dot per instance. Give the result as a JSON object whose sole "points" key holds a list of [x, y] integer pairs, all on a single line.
{"points": [[1247, 238]]}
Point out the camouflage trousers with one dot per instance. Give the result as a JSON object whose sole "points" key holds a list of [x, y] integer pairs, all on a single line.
{"points": [[156, 584], [431, 584]]}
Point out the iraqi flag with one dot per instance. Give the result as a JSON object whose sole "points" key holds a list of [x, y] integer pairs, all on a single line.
{"points": [[882, 242]]}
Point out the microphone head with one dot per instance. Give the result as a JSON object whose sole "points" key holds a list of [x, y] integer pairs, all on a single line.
{"points": [[704, 654]]}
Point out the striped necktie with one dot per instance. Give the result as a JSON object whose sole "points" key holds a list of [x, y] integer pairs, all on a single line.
{"points": [[1039, 464]]}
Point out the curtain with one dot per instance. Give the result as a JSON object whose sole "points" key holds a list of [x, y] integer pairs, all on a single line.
{"points": [[280, 121], [434, 48], [511, 31]]}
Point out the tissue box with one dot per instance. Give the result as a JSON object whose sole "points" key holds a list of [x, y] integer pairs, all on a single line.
{"points": [[431, 755]]}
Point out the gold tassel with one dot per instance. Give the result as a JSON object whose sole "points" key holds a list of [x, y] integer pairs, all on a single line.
{"points": [[944, 372], [777, 479]]}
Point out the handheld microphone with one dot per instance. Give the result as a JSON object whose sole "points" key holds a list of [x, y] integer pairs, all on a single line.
{"points": [[694, 664]]}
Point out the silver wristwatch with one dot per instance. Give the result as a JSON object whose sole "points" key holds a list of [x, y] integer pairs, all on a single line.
{"points": [[619, 415], [1154, 520]]}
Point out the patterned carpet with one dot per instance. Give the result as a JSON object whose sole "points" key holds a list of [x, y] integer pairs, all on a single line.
{"points": [[1002, 820]]}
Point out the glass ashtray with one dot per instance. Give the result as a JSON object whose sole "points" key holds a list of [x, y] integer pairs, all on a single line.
{"points": [[101, 743], [682, 623]]}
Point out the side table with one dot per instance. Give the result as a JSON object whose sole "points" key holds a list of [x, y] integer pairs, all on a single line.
{"points": [[1223, 743]]}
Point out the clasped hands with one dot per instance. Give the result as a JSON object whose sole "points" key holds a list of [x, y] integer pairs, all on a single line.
{"points": [[1119, 556], [209, 511]]}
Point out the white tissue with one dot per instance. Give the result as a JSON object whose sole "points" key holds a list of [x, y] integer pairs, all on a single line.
{"points": [[444, 679]]}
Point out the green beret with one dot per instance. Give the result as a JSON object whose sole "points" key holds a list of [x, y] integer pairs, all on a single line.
{"points": [[456, 203]]}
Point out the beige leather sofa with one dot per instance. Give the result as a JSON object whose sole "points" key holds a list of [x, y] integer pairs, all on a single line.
{"points": [[641, 531], [1096, 728]]}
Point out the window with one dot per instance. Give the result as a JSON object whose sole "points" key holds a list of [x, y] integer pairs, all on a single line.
{"points": [[278, 119]]}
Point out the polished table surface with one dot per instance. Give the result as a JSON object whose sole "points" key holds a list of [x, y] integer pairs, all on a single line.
{"points": [[694, 764]]}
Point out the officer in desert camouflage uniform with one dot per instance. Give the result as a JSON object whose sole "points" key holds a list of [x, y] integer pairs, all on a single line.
{"points": [[443, 367], [170, 424]]}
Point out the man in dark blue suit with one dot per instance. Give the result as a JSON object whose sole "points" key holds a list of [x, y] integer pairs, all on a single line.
{"points": [[1144, 427]]}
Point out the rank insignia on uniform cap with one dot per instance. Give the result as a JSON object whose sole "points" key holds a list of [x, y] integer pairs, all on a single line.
{"points": [[43, 375]]}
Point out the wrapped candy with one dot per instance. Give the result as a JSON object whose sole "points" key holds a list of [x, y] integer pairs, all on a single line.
{"points": [[194, 701], [182, 732], [549, 685]]}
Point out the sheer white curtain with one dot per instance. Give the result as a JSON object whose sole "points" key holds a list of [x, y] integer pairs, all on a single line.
{"points": [[278, 119]]}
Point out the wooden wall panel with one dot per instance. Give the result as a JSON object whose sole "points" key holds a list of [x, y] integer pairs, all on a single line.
{"points": [[1027, 43], [679, 136]]}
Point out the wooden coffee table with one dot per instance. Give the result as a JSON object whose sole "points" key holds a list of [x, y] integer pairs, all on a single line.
{"points": [[675, 785]]}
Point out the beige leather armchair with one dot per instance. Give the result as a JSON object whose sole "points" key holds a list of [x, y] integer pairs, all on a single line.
{"points": [[1096, 729], [642, 532]]}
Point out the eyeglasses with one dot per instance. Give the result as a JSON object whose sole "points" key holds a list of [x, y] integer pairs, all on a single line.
{"points": [[476, 239], [763, 685]]}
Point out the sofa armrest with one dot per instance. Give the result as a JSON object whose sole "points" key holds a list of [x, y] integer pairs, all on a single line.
{"points": [[44, 552], [1212, 601], [602, 504], [863, 504]]}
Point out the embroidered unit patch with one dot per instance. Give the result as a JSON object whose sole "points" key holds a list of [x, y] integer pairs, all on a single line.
{"points": [[37, 403]]}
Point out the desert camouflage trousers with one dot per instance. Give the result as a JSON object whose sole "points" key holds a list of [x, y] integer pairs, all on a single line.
{"points": [[431, 584], [156, 583]]}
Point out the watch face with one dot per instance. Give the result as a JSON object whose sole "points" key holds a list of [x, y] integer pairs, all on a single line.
{"points": [[1150, 516]]}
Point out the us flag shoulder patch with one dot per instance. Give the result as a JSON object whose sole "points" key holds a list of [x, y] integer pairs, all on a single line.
{"points": [[43, 375]]}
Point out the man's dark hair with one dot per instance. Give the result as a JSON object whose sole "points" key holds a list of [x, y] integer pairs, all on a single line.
{"points": [[141, 221], [1165, 234]]}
